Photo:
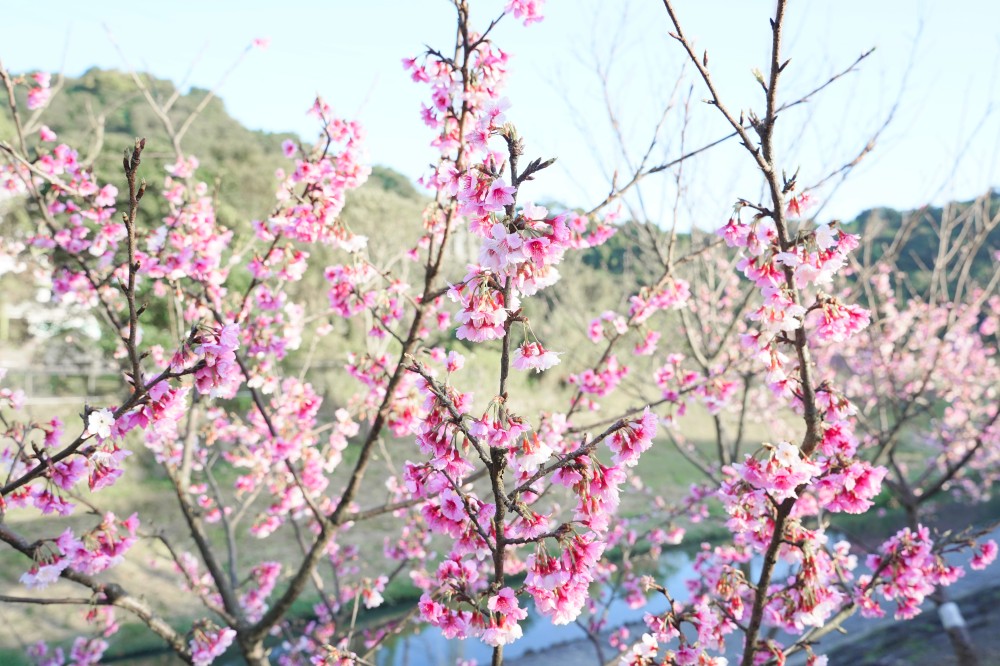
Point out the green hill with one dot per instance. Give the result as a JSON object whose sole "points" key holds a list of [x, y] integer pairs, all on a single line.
{"points": [[101, 113]]}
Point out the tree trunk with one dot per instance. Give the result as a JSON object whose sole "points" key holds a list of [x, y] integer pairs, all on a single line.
{"points": [[254, 653], [958, 633]]}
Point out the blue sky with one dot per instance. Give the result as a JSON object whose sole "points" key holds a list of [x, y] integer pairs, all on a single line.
{"points": [[349, 51]]}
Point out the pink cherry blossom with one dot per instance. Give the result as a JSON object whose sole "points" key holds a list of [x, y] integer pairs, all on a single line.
{"points": [[529, 11], [209, 643], [986, 553], [532, 356]]}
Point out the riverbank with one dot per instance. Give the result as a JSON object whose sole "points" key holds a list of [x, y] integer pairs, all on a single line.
{"points": [[865, 641], [916, 642], [922, 642]]}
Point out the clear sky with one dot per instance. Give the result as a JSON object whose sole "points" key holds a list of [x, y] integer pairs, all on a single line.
{"points": [[938, 60]]}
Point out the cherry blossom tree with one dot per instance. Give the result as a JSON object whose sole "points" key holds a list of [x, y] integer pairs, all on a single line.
{"points": [[497, 509], [721, 382]]}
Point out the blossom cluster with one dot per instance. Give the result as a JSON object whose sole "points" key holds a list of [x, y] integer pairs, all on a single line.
{"points": [[564, 562], [908, 569], [100, 548]]}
